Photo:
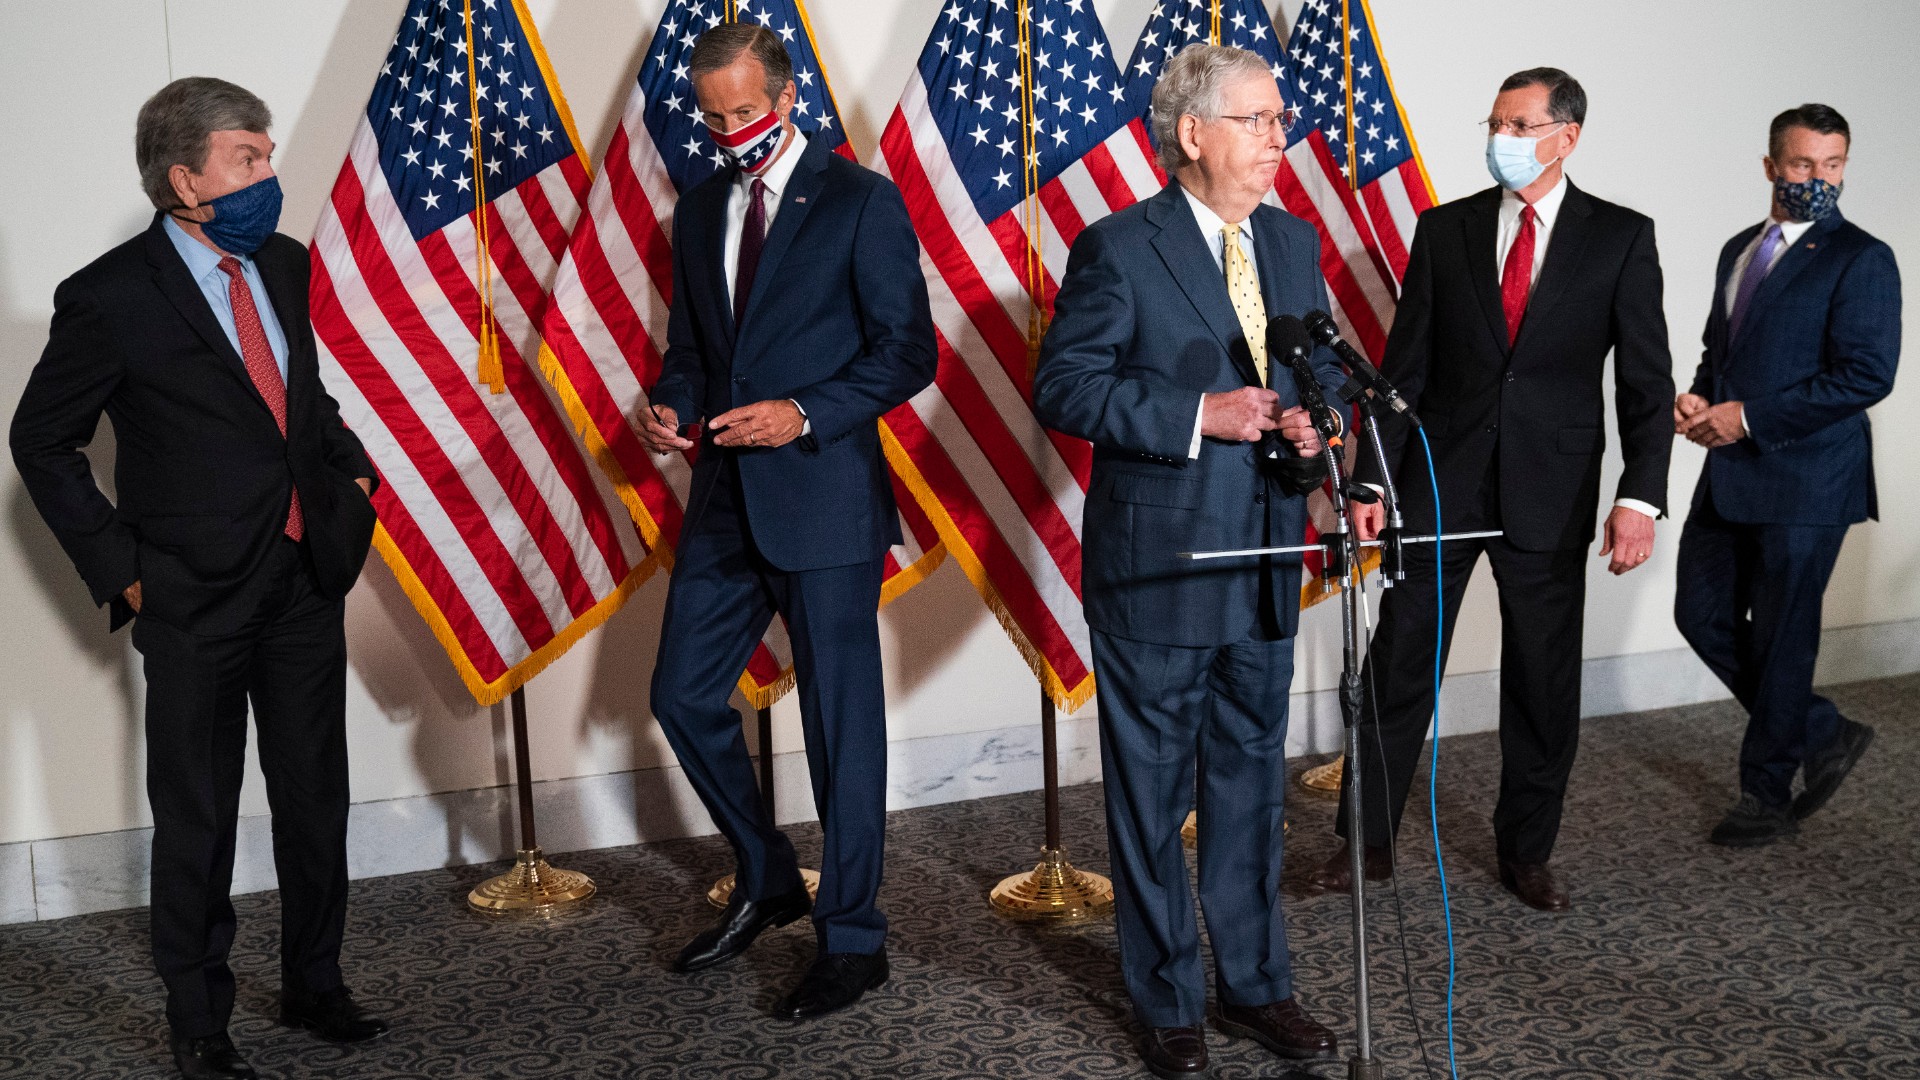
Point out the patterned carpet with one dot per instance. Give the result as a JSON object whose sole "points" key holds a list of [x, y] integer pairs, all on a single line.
{"points": [[1680, 960]]}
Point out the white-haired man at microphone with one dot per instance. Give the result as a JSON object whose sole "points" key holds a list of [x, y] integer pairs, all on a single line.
{"points": [[1158, 355]]}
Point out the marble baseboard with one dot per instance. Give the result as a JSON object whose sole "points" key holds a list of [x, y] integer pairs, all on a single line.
{"points": [[73, 875]]}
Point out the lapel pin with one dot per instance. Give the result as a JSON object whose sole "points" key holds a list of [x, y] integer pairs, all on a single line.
{"points": [[803, 198]]}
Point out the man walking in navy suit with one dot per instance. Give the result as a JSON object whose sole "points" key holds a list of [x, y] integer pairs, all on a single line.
{"points": [[1803, 337], [799, 317], [1158, 356]]}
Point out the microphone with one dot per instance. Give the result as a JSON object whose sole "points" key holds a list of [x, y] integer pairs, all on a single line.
{"points": [[1287, 346], [1321, 328], [1289, 340]]}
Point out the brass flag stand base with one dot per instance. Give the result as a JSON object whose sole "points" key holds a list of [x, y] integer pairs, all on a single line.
{"points": [[1190, 832], [722, 890], [1324, 779], [532, 887], [1053, 892]]}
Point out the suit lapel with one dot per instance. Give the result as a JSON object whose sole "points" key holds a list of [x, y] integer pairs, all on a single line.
{"points": [[1190, 261], [177, 285], [1717, 313], [803, 189], [1480, 229], [1568, 242], [1792, 261], [286, 291]]}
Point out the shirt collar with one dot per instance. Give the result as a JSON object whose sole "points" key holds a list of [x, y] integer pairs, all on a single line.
{"points": [[1545, 209], [1210, 222], [781, 170], [1790, 231], [201, 260]]}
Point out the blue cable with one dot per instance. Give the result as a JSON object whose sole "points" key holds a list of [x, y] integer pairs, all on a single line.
{"points": [[1433, 761]]}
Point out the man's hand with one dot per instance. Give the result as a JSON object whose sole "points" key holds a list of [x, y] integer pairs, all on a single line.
{"points": [[1717, 425], [1628, 537], [660, 430], [132, 594], [1296, 426], [1241, 415], [762, 424], [1369, 519], [1685, 408]]}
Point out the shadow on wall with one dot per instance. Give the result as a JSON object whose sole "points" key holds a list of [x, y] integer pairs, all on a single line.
{"points": [[579, 28]]}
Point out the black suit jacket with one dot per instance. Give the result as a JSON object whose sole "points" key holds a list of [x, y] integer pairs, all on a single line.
{"points": [[1532, 413], [203, 476]]}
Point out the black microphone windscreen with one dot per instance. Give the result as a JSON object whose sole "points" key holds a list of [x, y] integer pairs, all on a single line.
{"points": [[1322, 327], [1288, 340]]}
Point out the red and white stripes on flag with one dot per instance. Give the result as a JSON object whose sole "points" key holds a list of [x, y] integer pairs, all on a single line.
{"points": [[506, 538], [606, 325]]}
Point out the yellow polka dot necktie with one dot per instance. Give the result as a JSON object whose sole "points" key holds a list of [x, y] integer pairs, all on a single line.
{"points": [[1244, 287]]}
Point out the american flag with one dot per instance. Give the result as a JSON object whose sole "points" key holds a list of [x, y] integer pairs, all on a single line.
{"points": [[998, 107], [508, 541], [607, 322], [1362, 232]]}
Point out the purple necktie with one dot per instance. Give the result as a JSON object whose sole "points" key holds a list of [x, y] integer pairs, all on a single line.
{"points": [[753, 236], [1756, 273]]}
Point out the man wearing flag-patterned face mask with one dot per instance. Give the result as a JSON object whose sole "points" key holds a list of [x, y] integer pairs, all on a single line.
{"points": [[799, 317]]}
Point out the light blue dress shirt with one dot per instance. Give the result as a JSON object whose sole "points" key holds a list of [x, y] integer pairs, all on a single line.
{"points": [[203, 265]]}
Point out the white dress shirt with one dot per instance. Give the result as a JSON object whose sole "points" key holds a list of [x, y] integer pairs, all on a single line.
{"points": [[776, 177], [1790, 234], [1546, 211]]}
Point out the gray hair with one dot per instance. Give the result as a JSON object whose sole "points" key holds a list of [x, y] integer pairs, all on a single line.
{"points": [[176, 127], [720, 46], [1190, 85]]}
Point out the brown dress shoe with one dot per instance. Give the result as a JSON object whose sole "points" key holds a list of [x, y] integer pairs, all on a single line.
{"points": [[1282, 1027], [1335, 874], [1535, 884], [1175, 1052]]}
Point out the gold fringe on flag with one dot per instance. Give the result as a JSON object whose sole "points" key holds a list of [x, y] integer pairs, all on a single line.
{"points": [[490, 373]]}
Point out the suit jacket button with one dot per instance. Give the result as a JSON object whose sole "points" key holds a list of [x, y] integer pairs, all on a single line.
{"points": [[1491, 428], [1259, 497]]}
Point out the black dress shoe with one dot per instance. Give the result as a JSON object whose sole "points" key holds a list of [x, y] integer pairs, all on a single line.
{"points": [[738, 925], [1282, 1027], [334, 1016], [1336, 874], [1825, 770], [209, 1057], [835, 981], [1752, 823], [1535, 884], [1175, 1053]]}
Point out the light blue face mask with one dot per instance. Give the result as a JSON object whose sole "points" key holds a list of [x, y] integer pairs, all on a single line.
{"points": [[1513, 161]]}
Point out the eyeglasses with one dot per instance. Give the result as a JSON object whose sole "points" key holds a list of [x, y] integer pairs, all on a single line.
{"points": [[1519, 129], [1262, 122]]}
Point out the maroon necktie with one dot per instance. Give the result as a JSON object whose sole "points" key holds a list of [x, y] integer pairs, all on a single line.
{"points": [[753, 236], [257, 354], [1516, 278]]}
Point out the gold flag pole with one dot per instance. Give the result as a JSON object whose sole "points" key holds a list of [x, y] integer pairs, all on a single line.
{"points": [[1053, 891], [722, 890], [532, 887]]}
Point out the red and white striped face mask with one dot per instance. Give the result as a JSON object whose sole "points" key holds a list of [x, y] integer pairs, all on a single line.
{"points": [[751, 146]]}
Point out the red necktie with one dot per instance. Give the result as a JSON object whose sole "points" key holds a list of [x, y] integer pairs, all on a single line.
{"points": [[753, 237], [257, 354], [1516, 278]]}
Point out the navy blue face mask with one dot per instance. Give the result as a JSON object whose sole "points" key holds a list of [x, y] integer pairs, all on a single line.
{"points": [[242, 220], [1808, 200]]}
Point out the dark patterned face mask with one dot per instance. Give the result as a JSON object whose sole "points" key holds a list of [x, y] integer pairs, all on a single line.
{"points": [[1808, 200]]}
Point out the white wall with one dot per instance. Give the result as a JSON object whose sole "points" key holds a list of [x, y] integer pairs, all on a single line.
{"points": [[1681, 97]]}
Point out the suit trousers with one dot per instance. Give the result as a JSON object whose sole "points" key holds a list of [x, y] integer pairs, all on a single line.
{"points": [[1542, 602], [290, 661], [1748, 601], [1165, 712], [722, 597]]}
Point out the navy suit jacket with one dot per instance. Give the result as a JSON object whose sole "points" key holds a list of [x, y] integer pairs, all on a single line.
{"points": [[1819, 346], [1142, 327], [837, 320], [202, 474]]}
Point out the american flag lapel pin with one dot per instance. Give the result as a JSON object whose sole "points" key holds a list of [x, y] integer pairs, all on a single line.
{"points": [[803, 198]]}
